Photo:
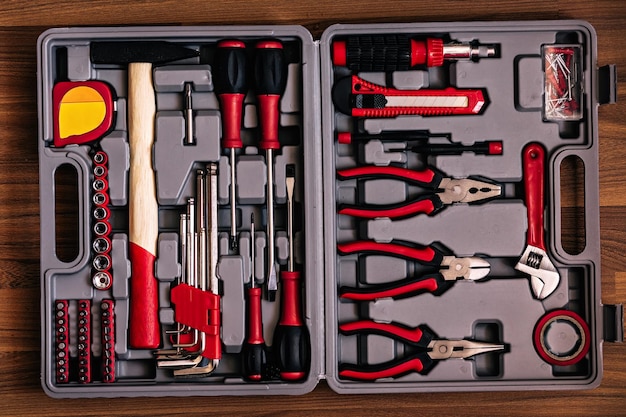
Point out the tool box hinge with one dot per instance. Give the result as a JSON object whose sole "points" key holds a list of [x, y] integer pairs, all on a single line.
{"points": [[613, 322], [607, 84]]}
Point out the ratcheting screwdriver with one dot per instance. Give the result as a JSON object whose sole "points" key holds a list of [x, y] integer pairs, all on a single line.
{"points": [[291, 337], [489, 147], [357, 97], [231, 86], [431, 350], [451, 269], [253, 353], [398, 52], [464, 190], [270, 83]]}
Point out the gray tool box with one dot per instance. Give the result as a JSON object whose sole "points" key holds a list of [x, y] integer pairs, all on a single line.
{"points": [[257, 210]]}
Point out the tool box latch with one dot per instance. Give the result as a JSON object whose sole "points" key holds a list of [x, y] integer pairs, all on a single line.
{"points": [[607, 84], [613, 322]]}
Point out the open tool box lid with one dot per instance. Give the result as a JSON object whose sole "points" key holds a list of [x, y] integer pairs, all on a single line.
{"points": [[497, 310]]}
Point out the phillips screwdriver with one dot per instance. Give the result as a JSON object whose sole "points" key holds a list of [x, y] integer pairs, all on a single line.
{"points": [[254, 350], [231, 86], [291, 337], [400, 53], [270, 82]]}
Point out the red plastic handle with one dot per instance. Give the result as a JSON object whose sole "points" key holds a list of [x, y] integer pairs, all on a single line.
{"points": [[255, 321], [144, 327], [231, 119], [270, 79], [412, 335], [534, 156], [425, 205], [425, 255], [429, 283], [415, 364], [425, 178]]}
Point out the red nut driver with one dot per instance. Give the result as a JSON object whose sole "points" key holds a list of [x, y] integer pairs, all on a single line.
{"points": [[421, 337], [359, 98], [464, 190], [451, 269]]}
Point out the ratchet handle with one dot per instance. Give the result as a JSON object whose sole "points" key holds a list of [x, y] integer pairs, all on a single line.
{"points": [[534, 156], [432, 283], [420, 363], [426, 255], [270, 81]]}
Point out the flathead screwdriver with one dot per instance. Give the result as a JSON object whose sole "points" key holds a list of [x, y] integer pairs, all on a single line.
{"points": [[270, 81], [231, 87], [254, 350], [291, 336]]}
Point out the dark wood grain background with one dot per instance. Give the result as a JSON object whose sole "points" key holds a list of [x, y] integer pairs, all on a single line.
{"points": [[20, 24]]}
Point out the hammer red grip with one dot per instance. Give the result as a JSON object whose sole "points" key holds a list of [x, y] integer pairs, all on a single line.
{"points": [[144, 332]]}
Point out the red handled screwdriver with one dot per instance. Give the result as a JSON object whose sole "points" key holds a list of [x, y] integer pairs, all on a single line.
{"points": [[291, 337], [253, 355], [231, 87], [270, 81], [396, 52]]}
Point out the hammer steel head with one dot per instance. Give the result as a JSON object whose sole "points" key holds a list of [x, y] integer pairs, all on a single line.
{"points": [[126, 52]]}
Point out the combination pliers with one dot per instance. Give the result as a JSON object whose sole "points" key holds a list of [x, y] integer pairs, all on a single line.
{"points": [[444, 191]]}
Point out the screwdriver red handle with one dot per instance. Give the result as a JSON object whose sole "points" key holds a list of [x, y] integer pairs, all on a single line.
{"points": [[254, 351], [231, 87], [271, 80], [433, 283], [534, 156], [291, 337]]}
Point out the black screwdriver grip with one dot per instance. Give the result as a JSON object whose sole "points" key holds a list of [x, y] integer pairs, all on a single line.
{"points": [[229, 76], [293, 351], [254, 360], [270, 70], [378, 53]]}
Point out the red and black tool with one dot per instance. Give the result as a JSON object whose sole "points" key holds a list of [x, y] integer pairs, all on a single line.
{"points": [[62, 341], [491, 147], [445, 191], [84, 341], [562, 338], [359, 98], [254, 351], [397, 52], [451, 269], [270, 74], [230, 80], [107, 330], [291, 336], [431, 350]]}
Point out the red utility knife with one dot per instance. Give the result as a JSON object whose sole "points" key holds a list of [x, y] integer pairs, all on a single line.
{"points": [[356, 97]]}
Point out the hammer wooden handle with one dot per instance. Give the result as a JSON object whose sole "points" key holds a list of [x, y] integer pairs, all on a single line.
{"points": [[144, 332]]}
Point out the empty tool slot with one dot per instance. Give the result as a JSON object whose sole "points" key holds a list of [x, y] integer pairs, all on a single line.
{"points": [[573, 227], [66, 212], [488, 364]]}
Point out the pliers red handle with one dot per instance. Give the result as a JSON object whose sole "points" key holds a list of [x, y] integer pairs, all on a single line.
{"points": [[444, 191], [451, 269], [421, 337]]}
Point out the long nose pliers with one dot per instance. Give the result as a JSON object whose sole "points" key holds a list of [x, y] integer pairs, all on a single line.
{"points": [[451, 269], [421, 337], [444, 191]]}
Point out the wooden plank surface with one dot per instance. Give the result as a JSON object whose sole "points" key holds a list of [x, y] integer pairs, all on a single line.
{"points": [[20, 24]]}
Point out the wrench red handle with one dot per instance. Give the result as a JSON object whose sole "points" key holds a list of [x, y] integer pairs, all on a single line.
{"points": [[534, 157]]}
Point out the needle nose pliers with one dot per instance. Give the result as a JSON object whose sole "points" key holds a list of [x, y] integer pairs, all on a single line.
{"points": [[431, 350], [451, 269], [445, 191]]}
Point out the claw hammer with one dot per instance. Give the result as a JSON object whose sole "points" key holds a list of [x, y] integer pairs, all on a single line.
{"points": [[144, 331]]}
